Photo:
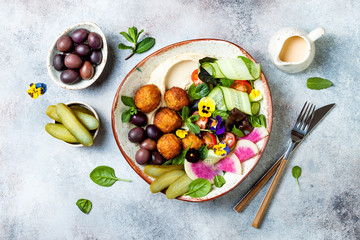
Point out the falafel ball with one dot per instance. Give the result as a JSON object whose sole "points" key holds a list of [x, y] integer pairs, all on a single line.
{"points": [[167, 120], [169, 146], [193, 140], [147, 98], [176, 98]]}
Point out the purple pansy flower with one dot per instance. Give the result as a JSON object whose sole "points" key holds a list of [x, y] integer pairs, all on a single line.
{"points": [[220, 128]]}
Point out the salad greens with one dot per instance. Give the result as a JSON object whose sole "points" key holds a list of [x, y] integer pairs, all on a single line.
{"points": [[200, 91], [139, 47], [129, 102], [219, 181], [296, 172], [199, 188], [185, 111], [105, 176], [84, 205]]}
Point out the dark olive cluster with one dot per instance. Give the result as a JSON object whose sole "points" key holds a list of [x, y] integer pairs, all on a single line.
{"points": [[81, 51]]}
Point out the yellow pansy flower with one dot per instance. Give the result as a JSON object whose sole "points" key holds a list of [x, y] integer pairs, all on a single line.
{"points": [[206, 107], [221, 149], [181, 133], [36, 90], [255, 95]]}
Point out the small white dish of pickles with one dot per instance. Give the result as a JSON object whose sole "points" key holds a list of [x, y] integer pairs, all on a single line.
{"points": [[75, 123]]}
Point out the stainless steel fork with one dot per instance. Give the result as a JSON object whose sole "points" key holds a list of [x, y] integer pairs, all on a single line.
{"points": [[297, 134]]}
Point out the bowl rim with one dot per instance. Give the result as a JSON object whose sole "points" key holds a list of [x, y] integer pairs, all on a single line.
{"points": [[95, 115], [164, 49], [104, 52]]}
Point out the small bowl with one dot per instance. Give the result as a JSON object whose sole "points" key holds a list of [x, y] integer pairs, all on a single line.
{"points": [[55, 74], [93, 112]]}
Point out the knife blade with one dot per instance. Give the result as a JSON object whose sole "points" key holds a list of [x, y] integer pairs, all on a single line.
{"points": [[318, 116]]}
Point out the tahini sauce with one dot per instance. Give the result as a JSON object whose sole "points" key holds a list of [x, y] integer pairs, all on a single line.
{"points": [[295, 49]]}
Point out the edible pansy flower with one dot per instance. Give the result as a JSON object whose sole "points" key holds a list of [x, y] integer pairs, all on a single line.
{"points": [[255, 95], [36, 90], [222, 149], [206, 107], [192, 155], [181, 133], [217, 125]]}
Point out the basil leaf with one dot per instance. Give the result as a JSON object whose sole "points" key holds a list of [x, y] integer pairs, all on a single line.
{"points": [[180, 159], [207, 60], [127, 37], [202, 90], [193, 127], [199, 188], [254, 120], [185, 111], [296, 172], [237, 132], [105, 176], [137, 35], [123, 46], [317, 83], [262, 120], [125, 116], [128, 101], [219, 181], [194, 118], [192, 92], [222, 114], [84, 205], [132, 32], [145, 44], [203, 151], [226, 82], [206, 77]]}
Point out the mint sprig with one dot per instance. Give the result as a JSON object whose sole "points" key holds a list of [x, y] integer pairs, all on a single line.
{"points": [[139, 47]]}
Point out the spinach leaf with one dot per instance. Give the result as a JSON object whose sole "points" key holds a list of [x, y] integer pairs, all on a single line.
{"points": [[255, 121], [128, 101], [222, 114], [237, 132], [207, 60], [203, 151], [202, 90], [199, 188], [226, 82], [192, 92], [296, 172], [317, 83], [84, 205], [193, 127], [262, 120], [219, 181], [105, 176], [193, 118], [185, 111], [206, 77]]}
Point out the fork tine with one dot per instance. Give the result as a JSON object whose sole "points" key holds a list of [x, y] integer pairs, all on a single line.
{"points": [[308, 121], [298, 120], [302, 115], [306, 116]]}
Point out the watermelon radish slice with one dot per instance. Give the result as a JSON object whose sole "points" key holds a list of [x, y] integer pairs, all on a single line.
{"points": [[256, 134], [201, 170], [245, 150], [230, 164]]}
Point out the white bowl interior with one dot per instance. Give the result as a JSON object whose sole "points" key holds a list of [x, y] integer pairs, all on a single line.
{"points": [[55, 75], [211, 48]]}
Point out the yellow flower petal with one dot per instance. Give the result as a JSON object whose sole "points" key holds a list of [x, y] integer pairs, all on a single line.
{"points": [[181, 133], [255, 95]]}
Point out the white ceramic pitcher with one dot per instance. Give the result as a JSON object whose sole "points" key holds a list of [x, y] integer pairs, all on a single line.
{"points": [[277, 43]]}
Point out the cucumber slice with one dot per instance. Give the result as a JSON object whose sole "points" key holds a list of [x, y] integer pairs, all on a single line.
{"points": [[212, 158], [236, 99], [217, 95]]}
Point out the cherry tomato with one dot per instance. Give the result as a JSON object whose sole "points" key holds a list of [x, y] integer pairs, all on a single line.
{"points": [[195, 78], [229, 139], [209, 140], [202, 121], [242, 86]]}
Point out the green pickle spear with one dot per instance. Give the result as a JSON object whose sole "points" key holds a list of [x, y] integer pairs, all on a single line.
{"points": [[75, 127], [60, 132]]}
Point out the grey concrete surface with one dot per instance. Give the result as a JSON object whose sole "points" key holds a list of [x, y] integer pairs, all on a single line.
{"points": [[42, 178]]}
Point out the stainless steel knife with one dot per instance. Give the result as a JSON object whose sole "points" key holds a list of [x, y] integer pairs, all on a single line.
{"points": [[318, 116]]}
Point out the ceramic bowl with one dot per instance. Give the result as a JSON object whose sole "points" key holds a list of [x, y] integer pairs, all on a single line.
{"points": [[91, 111], [55, 75], [135, 78]]}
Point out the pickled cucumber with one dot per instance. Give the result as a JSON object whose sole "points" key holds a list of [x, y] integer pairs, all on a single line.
{"points": [[165, 180], [179, 187], [158, 170], [60, 132], [74, 126], [88, 120]]}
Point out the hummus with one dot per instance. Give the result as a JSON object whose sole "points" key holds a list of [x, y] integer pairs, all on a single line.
{"points": [[174, 72]]}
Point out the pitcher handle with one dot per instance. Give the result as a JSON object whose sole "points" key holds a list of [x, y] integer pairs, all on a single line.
{"points": [[316, 33]]}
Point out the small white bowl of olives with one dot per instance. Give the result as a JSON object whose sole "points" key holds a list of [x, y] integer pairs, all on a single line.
{"points": [[78, 56]]}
